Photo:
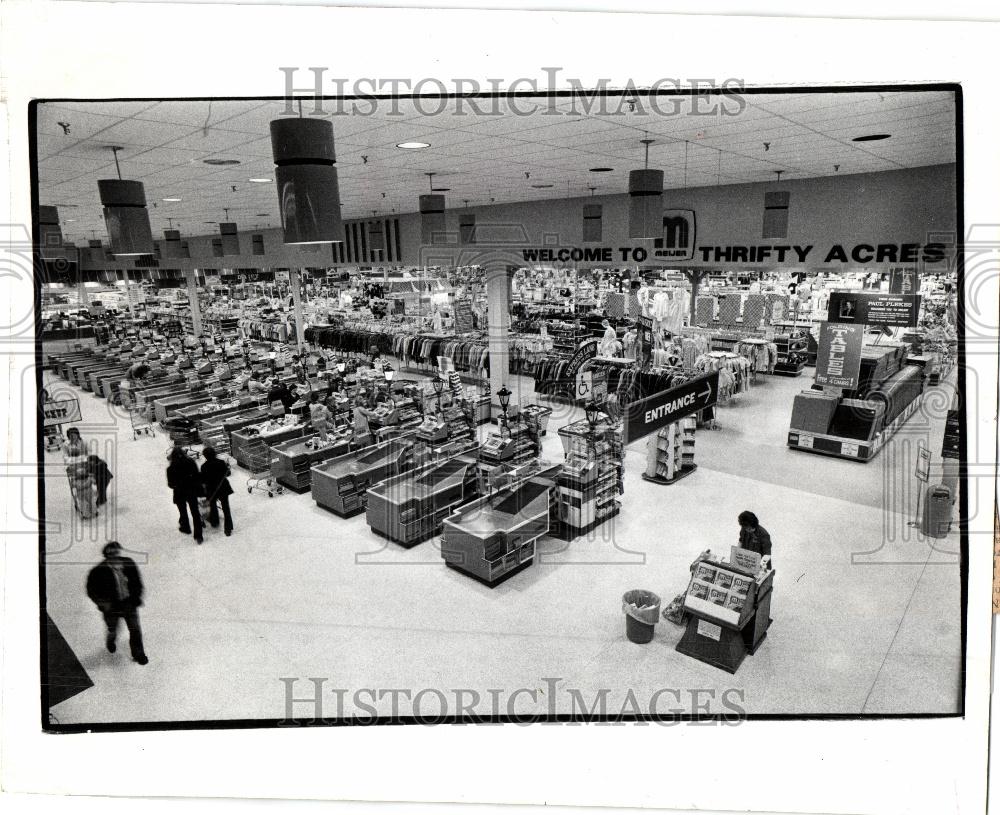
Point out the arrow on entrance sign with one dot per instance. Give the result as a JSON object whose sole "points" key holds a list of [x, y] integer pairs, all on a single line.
{"points": [[650, 414]]}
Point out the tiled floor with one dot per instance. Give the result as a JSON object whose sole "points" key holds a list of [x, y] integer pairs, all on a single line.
{"points": [[866, 613]]}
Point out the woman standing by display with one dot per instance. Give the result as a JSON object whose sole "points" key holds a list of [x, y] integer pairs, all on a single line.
{"points": [[753, 536]]}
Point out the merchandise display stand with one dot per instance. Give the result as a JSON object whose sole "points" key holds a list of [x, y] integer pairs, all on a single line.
{"points": [[856, 424], [590, 480], [793, 350], [728, 611], [493, 538], [410, 508], [670, 453], [341, 484]]}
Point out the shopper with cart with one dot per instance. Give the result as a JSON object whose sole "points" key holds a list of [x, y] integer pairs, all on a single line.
{"points": [[215, 474], [185, 480], [79, 473]]}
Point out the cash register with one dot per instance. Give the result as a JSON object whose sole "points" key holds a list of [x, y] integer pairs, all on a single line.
{"points": [[433, 429], [581, 469], [497, 448]]}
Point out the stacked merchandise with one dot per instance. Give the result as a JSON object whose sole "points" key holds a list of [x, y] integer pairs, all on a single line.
{"points": [[670, 453]]}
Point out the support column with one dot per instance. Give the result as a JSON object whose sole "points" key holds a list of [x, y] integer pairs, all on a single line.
{"points": [[191, 275], [295, 283], [498, 318]]}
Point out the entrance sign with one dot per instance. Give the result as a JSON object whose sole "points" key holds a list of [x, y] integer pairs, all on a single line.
{"points": [[648, 415]]}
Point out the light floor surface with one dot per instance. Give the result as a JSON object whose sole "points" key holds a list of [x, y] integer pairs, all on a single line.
{"points": [[867, 612]]}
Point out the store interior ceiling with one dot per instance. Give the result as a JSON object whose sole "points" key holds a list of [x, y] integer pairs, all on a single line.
{"points": [[492, 157]]}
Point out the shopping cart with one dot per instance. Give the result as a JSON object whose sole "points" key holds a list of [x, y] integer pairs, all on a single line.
{"points": [[141, 417], [259, 464], [82, 489]]}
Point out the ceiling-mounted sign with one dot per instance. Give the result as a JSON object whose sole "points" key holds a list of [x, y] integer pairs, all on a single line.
{"points": [[838, 357], [902, 280], [648, 415], [863, 308]]}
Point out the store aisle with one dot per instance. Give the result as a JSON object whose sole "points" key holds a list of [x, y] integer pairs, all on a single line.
{"points": [[298, 592]]}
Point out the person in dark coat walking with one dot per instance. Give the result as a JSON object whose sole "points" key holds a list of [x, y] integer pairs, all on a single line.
{"points": [[214, 476], [116, 588], [185, 480], [753, 536]]}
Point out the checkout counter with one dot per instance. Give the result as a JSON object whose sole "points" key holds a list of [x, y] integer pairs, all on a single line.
{"points": [[411, 507], [249, 445], [292, 461], [493, 538], [341, 484]]}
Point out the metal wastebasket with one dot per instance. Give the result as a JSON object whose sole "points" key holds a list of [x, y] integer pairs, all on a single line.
{"points": [[936, 520], [642, 610]]}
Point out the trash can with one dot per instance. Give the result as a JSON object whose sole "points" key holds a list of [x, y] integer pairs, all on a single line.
{"points": [[937, 512], [642, 610]]}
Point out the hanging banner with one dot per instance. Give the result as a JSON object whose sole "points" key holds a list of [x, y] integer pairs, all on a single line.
{"points": [[951, 446], [587, 350], [902, 280], [648, 415], [838, 358], [874, 309]]}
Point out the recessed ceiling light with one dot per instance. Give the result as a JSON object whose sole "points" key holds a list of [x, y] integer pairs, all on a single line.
{"points": [[261, 215], [210, 222], [872, 137], [601, 169], [171, 200], [412, 145], [71, 220], [261, 180], [541, 186], [221, 162], [440, 189]]}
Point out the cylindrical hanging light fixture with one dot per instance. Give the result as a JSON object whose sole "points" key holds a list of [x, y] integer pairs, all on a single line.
{"points": [[645, 190], [172, 248], [125, 214], [306, 178], [432, 219], [230, 238], [50, 239]]}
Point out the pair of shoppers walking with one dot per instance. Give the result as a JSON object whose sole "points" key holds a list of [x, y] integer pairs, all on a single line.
{"points": [[189, 484]]}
